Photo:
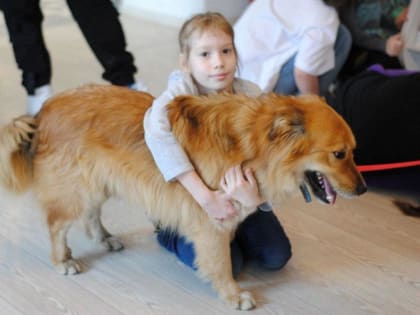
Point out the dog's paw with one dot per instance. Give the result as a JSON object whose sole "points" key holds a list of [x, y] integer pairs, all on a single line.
{"points": [[113, 244], [244, 301], [69, 267]]}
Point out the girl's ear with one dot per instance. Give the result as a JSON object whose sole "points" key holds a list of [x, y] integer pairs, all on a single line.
{"points": [[183, 62]]}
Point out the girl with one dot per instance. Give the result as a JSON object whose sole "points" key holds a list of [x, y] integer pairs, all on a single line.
{"points": [[208, 61]]}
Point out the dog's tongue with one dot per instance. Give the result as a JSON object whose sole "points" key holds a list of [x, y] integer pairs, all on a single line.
{"points": [[331, 195]]}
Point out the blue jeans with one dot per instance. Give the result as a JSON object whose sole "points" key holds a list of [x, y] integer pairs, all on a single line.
{"points": [[259, 238], [286, 83]]}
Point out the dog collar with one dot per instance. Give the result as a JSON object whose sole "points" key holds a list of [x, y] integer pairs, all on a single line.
{"points": [[265, 206]]}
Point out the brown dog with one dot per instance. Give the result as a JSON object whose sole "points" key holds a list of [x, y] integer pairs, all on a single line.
{"points": [[88, 145]]}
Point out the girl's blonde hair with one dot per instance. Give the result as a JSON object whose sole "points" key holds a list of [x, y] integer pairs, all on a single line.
{"points": [[200, 23]]}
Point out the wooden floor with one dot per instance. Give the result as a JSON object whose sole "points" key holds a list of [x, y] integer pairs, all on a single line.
{"points": [[359, 257]]}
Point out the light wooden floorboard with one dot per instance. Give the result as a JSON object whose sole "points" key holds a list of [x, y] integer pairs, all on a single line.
{"points": [[359, 257]]}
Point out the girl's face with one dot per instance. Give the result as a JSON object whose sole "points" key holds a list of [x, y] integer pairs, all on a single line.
{"points": [[212, 62]]}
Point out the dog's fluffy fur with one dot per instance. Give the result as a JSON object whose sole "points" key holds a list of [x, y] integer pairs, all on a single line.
{"points": [[89, 145]]}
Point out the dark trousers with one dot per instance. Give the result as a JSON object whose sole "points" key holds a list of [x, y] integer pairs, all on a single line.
{"points": [[99, 23], [260, 238]]}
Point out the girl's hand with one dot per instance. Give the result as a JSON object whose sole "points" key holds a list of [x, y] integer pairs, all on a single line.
{"points": [[218, 205], [394, 45], [241, 186]]}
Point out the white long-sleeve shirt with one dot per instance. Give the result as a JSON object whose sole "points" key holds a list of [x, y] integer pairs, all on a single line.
{"points": [[168, 154], [270, 32]]}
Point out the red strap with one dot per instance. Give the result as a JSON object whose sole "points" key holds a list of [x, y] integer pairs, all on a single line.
{"points": [[386, 166]]}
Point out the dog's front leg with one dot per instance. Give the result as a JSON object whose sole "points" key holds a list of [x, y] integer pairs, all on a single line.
{"points": [[213, 260]]}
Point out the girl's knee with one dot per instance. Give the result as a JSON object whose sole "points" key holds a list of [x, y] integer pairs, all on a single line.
{"points": [[276, 259]]}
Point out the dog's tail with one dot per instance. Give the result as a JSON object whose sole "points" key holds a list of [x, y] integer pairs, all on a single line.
{"points": [[407, 208], [15, 155]]}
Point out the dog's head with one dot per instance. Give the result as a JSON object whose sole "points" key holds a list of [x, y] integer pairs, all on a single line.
{"points": [[290, 142], [314, 148]]}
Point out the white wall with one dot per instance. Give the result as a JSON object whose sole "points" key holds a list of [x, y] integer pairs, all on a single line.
{"points": [[175, 12]]}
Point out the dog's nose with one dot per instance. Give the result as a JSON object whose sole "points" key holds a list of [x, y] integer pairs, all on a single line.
{"points": [[361, 189]]}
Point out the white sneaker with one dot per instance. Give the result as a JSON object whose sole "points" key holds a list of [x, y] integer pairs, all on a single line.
{"points": [[139, 85], [36, 101]]}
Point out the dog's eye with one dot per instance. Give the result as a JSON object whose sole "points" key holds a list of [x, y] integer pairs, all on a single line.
{"points": [[339, 154]]}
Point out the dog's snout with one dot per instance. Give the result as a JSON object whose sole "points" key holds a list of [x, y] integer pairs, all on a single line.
{"points": [[361, 189]]}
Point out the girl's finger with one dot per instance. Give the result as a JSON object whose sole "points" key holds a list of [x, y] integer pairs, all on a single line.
{"points": [[250, 176], [223, 184], [239, 175], [230, 176]]}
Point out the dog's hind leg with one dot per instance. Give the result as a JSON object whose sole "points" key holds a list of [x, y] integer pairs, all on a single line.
{"points": [[213, 260], [96, 230], [61, 257]]}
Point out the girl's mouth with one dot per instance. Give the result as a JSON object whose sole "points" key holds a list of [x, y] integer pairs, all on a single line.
{"points": [[220, 76]]}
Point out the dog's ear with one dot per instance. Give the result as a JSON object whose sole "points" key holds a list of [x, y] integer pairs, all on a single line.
{"points": [[287, 124], [184, 107]]}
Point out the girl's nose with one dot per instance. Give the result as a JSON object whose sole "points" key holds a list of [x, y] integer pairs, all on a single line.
{"points": [[218, 61]]}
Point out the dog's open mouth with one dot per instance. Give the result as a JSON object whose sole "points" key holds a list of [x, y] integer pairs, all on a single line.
{"points": [[320, 187]]}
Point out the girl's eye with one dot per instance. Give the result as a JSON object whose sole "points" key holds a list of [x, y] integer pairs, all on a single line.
{"points": [[204, 54], [227, 51]]}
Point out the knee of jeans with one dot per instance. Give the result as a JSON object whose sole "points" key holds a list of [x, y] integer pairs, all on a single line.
{"points": [[276, 260]]}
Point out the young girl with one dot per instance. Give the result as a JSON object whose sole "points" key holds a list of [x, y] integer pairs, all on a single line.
{"points": [[208, 61]]}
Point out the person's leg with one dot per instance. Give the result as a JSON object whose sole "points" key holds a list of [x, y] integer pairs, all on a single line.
{"points": [[184, 250], [286, 83], [100, 25], [342, 48], [23, 19], [263, 240]]}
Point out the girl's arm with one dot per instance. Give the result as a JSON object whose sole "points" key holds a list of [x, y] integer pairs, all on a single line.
{"points": [[168, 154], [236, 185], [170, 157]]}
